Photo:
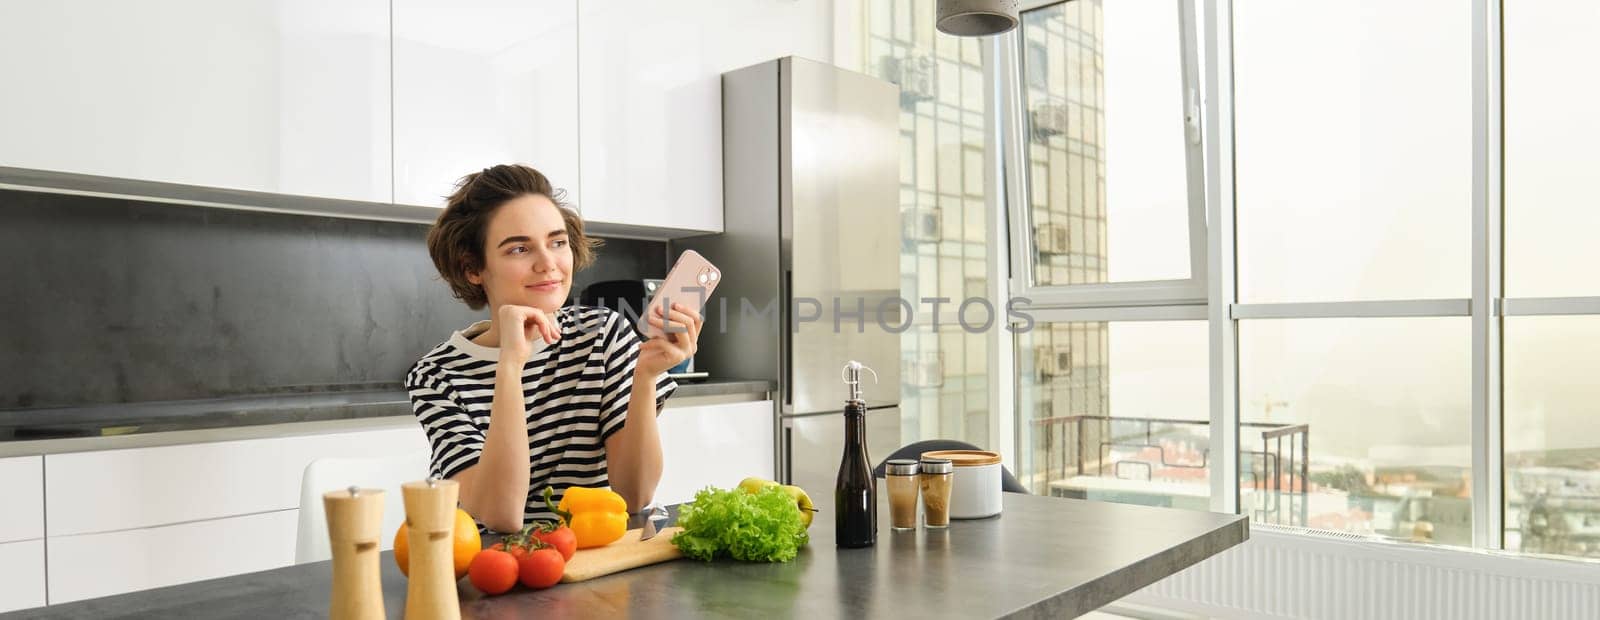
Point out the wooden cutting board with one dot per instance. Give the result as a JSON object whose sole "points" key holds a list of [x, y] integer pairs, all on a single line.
{"points": [[627, 553]]}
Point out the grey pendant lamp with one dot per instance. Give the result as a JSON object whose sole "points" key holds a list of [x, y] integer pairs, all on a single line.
{"points": [[976, 18]]}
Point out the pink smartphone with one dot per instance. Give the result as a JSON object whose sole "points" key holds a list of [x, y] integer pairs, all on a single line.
{"points": [[689, 284]]}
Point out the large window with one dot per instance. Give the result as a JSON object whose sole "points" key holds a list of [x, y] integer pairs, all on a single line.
{"points": [[1552, 460], [1359, 425], [1111, 378], [1551, 154], [1105, 144], [1353, 155], [1353, 143], [1552, 327], [1112, 213], [1115, 411], [1402, 223]]}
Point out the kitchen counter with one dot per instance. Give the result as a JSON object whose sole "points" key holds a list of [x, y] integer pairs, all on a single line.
{"points": [[107, 427], [1043, 557]]}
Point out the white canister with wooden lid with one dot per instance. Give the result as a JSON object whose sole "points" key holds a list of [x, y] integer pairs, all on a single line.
{"points": [[975, 489]]}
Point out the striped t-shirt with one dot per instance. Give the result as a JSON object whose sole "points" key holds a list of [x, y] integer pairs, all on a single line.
{"points": [[575, 392]]}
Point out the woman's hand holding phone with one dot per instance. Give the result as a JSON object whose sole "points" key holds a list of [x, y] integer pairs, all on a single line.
{"points": [[672, 328], [676, 336]]}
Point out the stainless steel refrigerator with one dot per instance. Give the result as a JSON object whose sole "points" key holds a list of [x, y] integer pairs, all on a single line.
{"points": [[809, 255]]}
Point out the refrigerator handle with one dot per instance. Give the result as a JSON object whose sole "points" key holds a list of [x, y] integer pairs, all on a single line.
{"points": [[787, 338], [787, 473]]}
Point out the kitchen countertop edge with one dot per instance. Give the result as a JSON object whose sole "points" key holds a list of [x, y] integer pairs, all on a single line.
{"points": [[1138, 575]]}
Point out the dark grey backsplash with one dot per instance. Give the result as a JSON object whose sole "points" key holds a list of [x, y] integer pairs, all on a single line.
{"points": [[622, 259], [117, 301]]}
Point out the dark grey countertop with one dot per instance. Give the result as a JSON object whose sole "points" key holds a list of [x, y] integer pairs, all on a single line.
{"points": [[1043, 557], [99, 421]]}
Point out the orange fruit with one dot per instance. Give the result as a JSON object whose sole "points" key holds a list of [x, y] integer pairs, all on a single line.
{"points": [[465, 543]]}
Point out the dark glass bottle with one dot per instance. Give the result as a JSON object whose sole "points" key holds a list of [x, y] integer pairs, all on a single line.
{"points": [[855, 494]]}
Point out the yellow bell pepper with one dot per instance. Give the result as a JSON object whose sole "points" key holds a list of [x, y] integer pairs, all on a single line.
{"points": [[598, 517]]}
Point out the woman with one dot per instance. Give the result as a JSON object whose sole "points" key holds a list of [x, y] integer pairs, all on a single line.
{"points": [[540, 394]]}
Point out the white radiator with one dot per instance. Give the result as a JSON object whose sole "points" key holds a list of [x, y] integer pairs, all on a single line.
{"points": [[1290, 573]]}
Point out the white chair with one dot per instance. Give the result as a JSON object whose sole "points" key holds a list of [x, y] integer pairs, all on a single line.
{"points": [[330, 474]]}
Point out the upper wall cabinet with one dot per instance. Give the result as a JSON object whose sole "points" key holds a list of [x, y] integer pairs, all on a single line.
{"points": [[284, 96], [650, 91], [482, 83]]}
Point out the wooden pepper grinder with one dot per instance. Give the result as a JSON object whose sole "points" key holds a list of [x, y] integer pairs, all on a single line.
{"points": [[431, 515], [355, 521]]}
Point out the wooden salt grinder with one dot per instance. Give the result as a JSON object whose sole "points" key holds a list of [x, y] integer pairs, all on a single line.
{"points": [[431, 515], [355, 521]]}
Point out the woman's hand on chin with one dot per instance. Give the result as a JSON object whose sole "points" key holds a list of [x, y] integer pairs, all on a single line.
{"points": [[521, 325], [680, 337]]}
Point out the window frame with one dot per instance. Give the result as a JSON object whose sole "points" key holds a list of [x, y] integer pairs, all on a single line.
{"points": [[1213, 291], [1011, 74], [1483, 307]]}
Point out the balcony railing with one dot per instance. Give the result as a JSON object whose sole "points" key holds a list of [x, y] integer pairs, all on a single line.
{"points": [[1077, 450]]}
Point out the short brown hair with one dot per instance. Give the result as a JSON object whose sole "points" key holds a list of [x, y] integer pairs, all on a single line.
{"points": [[456, 240]]}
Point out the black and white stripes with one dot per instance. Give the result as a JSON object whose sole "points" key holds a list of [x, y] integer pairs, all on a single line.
{"points": [[575, 393]]}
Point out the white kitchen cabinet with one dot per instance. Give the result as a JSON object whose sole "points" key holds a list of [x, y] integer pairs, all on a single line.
{"points": [[22, 518], [22, 533], [649, 87], [483, 83], [91, 492], [93, 565], [713, 445], [284, 96], [21, 575]]}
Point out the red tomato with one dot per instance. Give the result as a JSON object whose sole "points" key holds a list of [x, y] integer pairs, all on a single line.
{"points": [[541, 568], [516, 550], [561, 538], [493, 571]]}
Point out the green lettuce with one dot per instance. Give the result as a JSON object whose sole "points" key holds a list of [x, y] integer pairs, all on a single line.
{"points": [[750, 527]]}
